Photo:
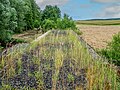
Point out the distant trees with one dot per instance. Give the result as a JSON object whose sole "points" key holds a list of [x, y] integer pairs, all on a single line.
{"points": [[51, 17]]}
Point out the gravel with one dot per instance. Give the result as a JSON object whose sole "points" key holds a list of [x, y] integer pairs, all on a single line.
{"points": [[67, 78]]}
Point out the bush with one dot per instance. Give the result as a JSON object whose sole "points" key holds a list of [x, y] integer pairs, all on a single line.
{"points": [[36, 24], [67, 23], [5, 36], [113, 50], [48, 25]]}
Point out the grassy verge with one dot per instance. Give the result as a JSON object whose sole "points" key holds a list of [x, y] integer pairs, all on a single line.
{"points": [[28, 36], [57, 61]]}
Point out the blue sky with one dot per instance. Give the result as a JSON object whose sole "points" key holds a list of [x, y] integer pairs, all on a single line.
{"points": [[86, 9]]}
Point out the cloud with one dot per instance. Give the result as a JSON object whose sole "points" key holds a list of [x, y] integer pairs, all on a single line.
{"points": [[106, 1], [110, 11], [43, 3]]}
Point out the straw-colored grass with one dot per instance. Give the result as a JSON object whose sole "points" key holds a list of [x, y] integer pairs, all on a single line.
{"points": [[63, 49]]}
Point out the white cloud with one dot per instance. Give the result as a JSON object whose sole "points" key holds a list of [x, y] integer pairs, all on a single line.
{"points": [[43, 3], [111, 11], [106, 1]]}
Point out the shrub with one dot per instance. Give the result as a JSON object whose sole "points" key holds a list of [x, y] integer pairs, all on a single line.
{"points": [[36, 24], [113, 50], [48, 25]]}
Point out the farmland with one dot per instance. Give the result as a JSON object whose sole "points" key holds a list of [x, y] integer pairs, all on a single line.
{"points": [[99, 22], [98, 36]]}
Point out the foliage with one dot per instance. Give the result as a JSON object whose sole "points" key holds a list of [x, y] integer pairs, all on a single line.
{"points": [[36, 24], [51, 17], [51, 12], [17, 16], [21, 15], [5, 14], [48, 24], [113, 50], [66, 23]]}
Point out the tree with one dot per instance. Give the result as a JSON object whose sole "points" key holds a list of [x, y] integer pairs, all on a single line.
{"points": [[36, 13], [13, 20], [5, 14], [51, 12], [48, 25], [21, 11], [16, 16], [66, 23], [28, 15]]}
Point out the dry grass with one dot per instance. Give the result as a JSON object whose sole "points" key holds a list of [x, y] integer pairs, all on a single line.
{"points": [[28, 36], [63, 61], [98, 36]]}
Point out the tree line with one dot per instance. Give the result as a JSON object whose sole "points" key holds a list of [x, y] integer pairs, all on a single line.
{"points": [[17, 16]]}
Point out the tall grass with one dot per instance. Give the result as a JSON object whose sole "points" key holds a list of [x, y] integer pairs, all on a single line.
{"points": [[62, 54]]}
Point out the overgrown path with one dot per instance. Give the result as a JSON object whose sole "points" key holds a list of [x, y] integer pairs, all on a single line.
{"points": [[56, 60]]}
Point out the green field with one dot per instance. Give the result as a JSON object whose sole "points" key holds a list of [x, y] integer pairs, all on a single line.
{"points": [[98, 22]]}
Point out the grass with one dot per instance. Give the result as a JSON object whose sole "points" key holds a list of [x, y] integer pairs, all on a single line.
{"points": [[98, 22], [25, 37], [61, 59], [28, 36]]}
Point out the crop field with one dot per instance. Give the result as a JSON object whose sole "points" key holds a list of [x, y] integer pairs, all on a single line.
{"points": [[98, 36], [99, 22], [56, 61]]}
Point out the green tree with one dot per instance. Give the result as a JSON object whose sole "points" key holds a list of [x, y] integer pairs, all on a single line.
{"points": [[66, 23], [28, 15], [48, 25], [51, 12], [5, 14], [36, 13], [20, 7], [36, 24], [13, 20]]}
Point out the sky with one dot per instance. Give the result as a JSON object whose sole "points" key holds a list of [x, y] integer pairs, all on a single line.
{"points": [[85, 9]]}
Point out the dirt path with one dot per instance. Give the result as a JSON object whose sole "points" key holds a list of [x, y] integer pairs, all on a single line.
{"points": [[98, 36]]}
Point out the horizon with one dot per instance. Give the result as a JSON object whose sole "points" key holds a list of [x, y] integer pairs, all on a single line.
{"points": [[85, 9]]}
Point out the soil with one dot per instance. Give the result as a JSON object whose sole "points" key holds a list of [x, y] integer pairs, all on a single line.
{"points": [[98, 36]]}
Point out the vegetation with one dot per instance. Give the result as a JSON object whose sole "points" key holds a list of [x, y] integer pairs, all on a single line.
{"points": [[51, 17], [17, 16], [98, 22], [21, 15], [112, 52], [56, 61]]}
